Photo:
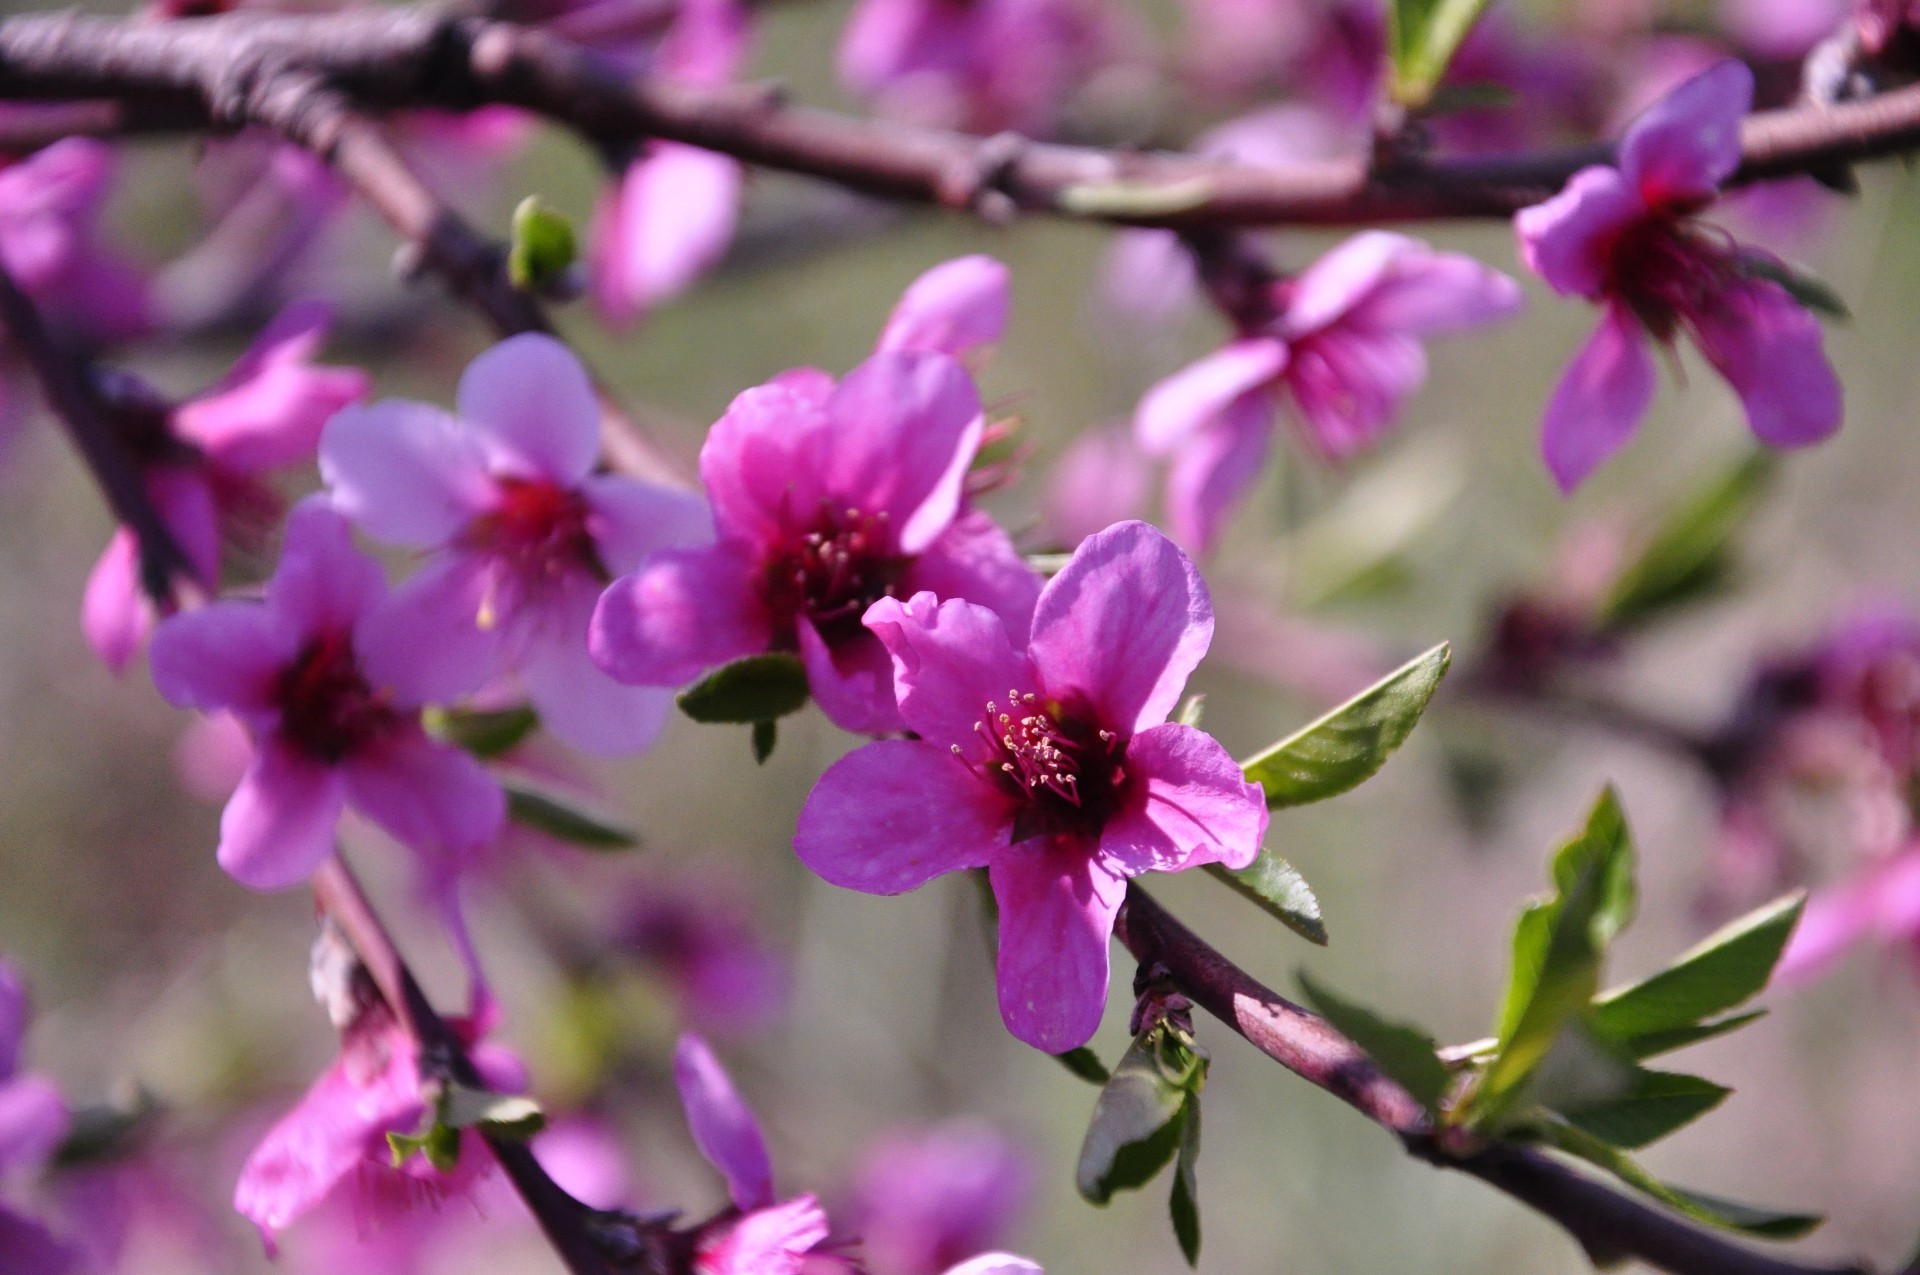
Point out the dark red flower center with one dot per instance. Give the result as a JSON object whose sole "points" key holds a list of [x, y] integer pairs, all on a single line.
{"points": [[1067, 776], [830, 575], [1667, 269], [327, 709], [538, 529]]}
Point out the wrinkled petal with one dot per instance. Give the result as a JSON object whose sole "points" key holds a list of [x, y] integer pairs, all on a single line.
{"points": [[1770, 349], [893, 815], [683, 612], [905, 426], [226, 655], [669, 222], [579, 705], [1349, 385], [406, 473], [1567, 240], [1191, 399], [531, 406], [763, 461], [278, 825], [1102, 478], [952, 660], [772, 1241], [629, 519], [426, 642], [1688, 142], [1056, 916], [426, 794], [33, 1120], [1190, 804], [1214, 471], [1600, 400], [851, 681], [1122, 626], [956, 307], [722, 1124], [975, 559]]}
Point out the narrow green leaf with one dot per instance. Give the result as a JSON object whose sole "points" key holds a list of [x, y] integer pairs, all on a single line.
{"points": [[1722, 971], [1658, 1103], [1349, 745], [1184, 1203], [765, 736], [486, 733], [1086, 1064], [1279, 891], [542, 247], [1809, 289], [758, 688], [501, 1115], [1140, 1115], [1649, 1044], [1422, 37], [563, 818], [1689, 552], [438, 1142], [1404, 1053]]}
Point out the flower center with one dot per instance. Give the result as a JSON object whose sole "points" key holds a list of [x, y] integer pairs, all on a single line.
{"points": [[831, 575], [327, 709], [539, 529], [1667, 269], [1066, 775]]}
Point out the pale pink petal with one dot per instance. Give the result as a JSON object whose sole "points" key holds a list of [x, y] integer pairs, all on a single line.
{"points": [[763, 461], [531, 406], [406, 473], [14, 1006], [893, 815], [1121, 627], [427, 642], [425, 794], [269, 413], [114, 613], [629, 519], [1191, 399], [1348, 386], [905, 428], [951, 660], [683, 612], [278, 825], [1834, 920], [1188, 804], [1423, 291], [1056, 917], [851, 681], [707, 41], [1600, 400], [722, 1125], [1688, 142], [670, 221], [1214, 471], [954, 308], [1568, 239], [975, 559], [996, 1264], [226, 655], [1770, 350], [1102, 478], [772, 1241], [212, 755], [579, 705], [1325, 291], [33, 1120]]}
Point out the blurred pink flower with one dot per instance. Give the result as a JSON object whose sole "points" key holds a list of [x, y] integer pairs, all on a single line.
{"points": [[33, 1121], [698, 936], [925, 1199], [1343, 343], [1626, 238], [329, 687], [1880, 903], [1050, 763], [1102, 478], [50, 206]]}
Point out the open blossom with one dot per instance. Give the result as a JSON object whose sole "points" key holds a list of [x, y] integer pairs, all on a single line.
{"points": [[1342, 344], [1049, 762], [206, 463], [826, 497], [1628, 239], [330, 687], [524, 534], [33, 1120], [50, 241]]}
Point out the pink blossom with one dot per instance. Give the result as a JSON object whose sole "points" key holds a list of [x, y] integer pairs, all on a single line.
{"points": [[50, 206], [924, 1199], [206, 463], [330, 686], [1627, 238], [1881, 903], [33, 1121], [826, 497], [1101, 479], [698, 936], [1342, 344], [956, 308], [524, 534], [1049, 762]]}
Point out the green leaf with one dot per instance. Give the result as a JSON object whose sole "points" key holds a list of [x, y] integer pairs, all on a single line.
{"points": [[1086, 1064], [438, 1142], [1649, 1044], [1350, 744], [1422, 37], [758, 688], [498, 1115], [1722, 971], [486, 733], [1140, 1116], [1745, 1218], [1658, 1103], [1690, 551], [563, 818], [765, 736], [1279, 891], [1809, 289], [542, 247], [1184, 1203], [1406, 1054]]}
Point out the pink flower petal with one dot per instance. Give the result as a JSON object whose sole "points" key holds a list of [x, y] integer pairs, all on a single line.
{"points": [[426, 795], [1056, 917], [1191, 805], [671, 220], [630, 519], [270, 411], [1422, 291], [1349, 384], [763, 461], [1568, 239], [1600, 400], [114, 614], [31, 1248], [531, 406], [1834, 920], [1770, 350], [1102, 478], [426, 642], [893, 815], [1216, 469], [1191, 399], [905, 428], [722, 1125], [33, 1120], [851, 681], [226, 655], [1325, 291], [1122, 626], [1688, 142], [14, 1006], [683, 612], [579, 704], [954, 308], [278, 825], [406, 473], [772, 1241], [951, 660], [975, 559]]}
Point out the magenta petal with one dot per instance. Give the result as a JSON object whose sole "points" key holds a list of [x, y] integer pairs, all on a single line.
{"points": [[1349, 383], [893, 815], [1325, 291], [1190, 804], [406, 473], [770, 1241], [957, 306], [670, 221], [1122, 626], [905, 428], [1834, 920], [722, 1125], [851, 681], [1191, 399], [28, 1248], [1600, 400], [629, 519], [1423, 291], [426, 795], [763, 461], [278, 825], [33, 1120], [1056, 917], [1687, 143], [952, 662], [269, 412], [426, 642], [578, 703], [1567, 239], [114, 614], [322, 583], [1102, 478], [226, 655], [1215, 470], [975, 559], [530, 405], [683, 612], [1770, 350], [13, 1019]]}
